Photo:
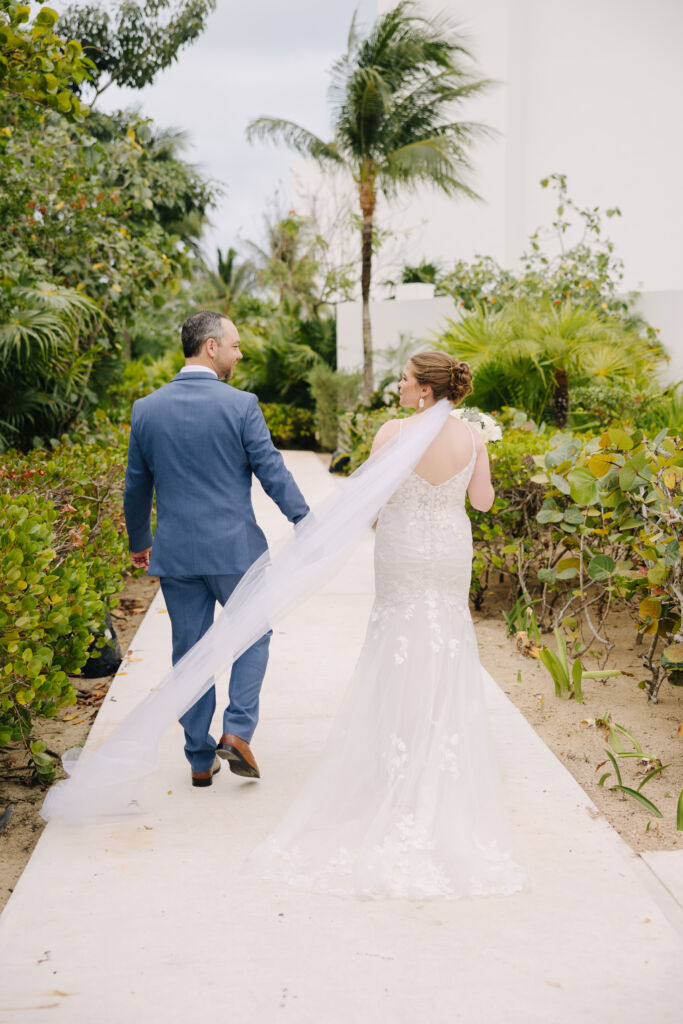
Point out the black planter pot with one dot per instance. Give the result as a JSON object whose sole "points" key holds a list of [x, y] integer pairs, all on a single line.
{"points": [[104, 661]]}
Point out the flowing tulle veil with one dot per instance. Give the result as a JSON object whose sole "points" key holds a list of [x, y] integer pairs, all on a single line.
{"points": [[106, 780]]}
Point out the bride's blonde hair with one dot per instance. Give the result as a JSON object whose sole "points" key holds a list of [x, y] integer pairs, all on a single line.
{"points": [[447, 377]]}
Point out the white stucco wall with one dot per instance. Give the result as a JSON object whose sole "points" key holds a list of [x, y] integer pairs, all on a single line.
{"points": [[591, 89], [392, 320]]}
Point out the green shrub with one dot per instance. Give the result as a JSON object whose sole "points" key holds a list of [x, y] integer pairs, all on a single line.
{"points": [[505, 536], [290, 427], [357, 431], [334, 392], [141, 377], [613, 511], [63, 555]]}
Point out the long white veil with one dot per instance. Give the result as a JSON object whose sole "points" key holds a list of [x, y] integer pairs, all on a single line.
{"points": [[106, 780]]}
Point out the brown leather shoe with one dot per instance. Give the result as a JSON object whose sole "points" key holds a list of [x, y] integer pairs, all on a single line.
{"points": [[238, 753], [206, 778]]}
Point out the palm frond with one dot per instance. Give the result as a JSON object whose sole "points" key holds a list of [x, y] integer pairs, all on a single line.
{"points": [[295, 137]]}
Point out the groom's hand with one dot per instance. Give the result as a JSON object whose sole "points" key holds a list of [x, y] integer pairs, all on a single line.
{"points": [[140, 559]]}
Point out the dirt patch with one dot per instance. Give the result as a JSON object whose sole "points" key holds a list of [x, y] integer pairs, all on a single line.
{"points": [[566, 728], [69, 729]]}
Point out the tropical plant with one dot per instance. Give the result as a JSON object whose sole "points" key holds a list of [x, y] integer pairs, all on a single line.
{"points": [[393, 94], [568, 676], [48, 345], [232, 278], [651, 766], [63, 555], [613, 509], [587, 270], [530, 355], [96, 213], [293, 266], [289, 426]]}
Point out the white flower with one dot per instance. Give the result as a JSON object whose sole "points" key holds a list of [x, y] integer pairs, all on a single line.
{"points": [[485, 424]]}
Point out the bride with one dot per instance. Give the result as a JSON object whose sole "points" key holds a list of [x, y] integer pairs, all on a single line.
{"points": [[405, 801]]}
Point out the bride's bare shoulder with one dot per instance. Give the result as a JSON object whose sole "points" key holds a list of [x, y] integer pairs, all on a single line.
{"points": [[385, 433]]}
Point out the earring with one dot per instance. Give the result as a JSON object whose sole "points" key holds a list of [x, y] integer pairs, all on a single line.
{"points": [[421, 403]]}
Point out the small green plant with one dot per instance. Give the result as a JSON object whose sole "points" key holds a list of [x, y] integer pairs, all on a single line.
{"points": [[679, 812], [568, 676], [521, 619], [616, 733]]}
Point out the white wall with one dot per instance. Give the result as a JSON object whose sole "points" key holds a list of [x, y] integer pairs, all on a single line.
{"points": [[418, 319], [664, 310], [592, 89]]}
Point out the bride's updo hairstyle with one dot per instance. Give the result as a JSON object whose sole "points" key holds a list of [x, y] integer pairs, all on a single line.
{"points": [[447, 377]]}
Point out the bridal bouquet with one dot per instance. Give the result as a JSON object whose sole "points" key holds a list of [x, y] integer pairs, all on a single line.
{"points": [[486, 425]]}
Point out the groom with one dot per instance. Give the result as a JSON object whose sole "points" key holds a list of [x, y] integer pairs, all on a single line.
{"points": [[196, 442]]}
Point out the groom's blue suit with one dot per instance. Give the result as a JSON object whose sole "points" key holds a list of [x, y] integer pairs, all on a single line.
{"points": [[196, 442]]}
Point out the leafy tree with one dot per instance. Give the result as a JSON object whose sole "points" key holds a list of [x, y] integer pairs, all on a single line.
{"points": [[133, 43], [36, 64], [392, 96], [99, 212]]}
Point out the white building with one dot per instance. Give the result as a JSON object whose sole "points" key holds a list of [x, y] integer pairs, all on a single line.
{"points": [[591, 89]]}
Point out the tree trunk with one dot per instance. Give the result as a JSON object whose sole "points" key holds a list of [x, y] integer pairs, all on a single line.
{"points": [[367, 202], [561, 398]]}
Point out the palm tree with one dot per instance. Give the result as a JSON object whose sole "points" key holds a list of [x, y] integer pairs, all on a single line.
{"points": [[392, 97], [48, 348], [232, 278], [529, 356]]}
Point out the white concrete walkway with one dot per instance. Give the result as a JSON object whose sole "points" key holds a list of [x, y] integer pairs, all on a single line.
{"points": [[151, 920]]}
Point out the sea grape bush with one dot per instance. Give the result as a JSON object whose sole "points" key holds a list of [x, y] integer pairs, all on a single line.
{"points": [[63, 556]]}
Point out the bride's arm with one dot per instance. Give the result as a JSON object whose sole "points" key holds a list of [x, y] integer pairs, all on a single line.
{"points": [[480, 488], [384, 434]]}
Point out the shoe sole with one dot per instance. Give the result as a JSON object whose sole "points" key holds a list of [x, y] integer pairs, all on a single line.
{"points": [[237, 764], [203, 783]]}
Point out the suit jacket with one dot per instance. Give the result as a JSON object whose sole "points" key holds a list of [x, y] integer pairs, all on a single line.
{"points": [[196, 442]]}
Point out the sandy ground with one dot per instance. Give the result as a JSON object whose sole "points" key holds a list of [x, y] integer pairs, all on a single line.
{"points": [[564, 725], [568, 728]]}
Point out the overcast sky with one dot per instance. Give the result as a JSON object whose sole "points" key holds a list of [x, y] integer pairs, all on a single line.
{"points": [[255, 57]]}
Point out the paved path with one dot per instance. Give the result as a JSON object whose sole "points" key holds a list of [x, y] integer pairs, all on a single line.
{"points": [[151, 920]]}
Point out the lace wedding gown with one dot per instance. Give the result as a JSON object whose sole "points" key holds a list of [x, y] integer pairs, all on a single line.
{"points": [[406, 801]]}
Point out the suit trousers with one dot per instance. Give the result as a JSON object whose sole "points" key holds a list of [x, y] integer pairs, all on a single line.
{"points": [[191, 604]]}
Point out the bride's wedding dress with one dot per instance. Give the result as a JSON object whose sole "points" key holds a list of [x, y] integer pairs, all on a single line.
{"points": [[406, 801]]}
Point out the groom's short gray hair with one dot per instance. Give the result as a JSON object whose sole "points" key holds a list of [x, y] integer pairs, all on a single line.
{"points": [[200, 326]]}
